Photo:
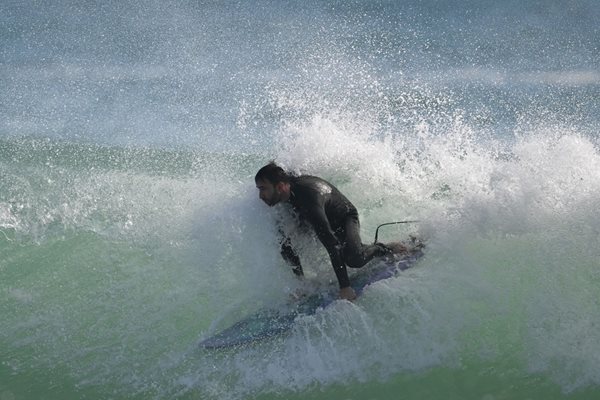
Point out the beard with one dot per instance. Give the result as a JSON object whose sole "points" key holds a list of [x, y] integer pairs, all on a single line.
{"points": [[273, 200]]}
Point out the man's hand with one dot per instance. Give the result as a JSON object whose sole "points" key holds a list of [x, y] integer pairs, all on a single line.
{"points": [[347, 293]]}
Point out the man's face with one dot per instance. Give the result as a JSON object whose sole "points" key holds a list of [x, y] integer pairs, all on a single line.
{"points": [[268, 192]]}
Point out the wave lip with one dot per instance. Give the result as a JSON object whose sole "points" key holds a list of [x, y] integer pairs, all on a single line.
{"points": [[499, 77], [565, 78]]}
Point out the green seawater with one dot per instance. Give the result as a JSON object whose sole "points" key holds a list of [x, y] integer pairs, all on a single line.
{"points": [[115, 263], [131, 229]]}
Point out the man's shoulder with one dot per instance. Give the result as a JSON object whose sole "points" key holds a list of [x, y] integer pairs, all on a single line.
{"points": [[313, 183], [307, 180]]}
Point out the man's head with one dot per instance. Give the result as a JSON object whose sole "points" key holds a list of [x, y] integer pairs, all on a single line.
{"points": [[273, 184]]}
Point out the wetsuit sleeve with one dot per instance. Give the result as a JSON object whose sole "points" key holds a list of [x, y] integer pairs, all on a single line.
{"points": [[289, 254], [315, 214]]}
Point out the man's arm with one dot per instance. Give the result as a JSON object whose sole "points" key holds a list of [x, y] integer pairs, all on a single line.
{"points": [[315, 214], [289, 254]]}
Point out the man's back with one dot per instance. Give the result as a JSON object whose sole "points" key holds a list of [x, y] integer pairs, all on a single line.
{"points": [[310, 194]]}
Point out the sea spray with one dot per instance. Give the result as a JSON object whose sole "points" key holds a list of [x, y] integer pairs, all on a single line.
{"points": [[130, 226]]}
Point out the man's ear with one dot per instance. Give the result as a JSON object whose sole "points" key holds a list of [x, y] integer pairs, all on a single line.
{"points": [[280, 186]]}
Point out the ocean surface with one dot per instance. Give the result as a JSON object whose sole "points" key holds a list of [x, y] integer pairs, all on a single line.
{"points": [[130, 227]]}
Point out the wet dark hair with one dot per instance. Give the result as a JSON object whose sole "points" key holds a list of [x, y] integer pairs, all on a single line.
{"points": [[272, 173]]}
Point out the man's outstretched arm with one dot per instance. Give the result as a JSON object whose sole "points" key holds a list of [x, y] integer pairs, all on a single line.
{"points": [[316, 215]]}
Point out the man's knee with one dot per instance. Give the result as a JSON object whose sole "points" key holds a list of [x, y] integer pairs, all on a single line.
{"points": [[354, 260]]}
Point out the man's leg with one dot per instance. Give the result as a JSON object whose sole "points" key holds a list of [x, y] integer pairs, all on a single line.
{"points": [[357, 254]]}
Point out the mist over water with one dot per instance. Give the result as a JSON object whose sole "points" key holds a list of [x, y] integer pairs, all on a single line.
{"points": [[130, 227]]}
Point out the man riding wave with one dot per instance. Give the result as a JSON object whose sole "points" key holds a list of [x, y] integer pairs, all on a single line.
{"points": [[332, 216]]}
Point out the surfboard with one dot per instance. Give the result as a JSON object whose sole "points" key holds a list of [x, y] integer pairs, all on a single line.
{"points": [[269, 323]]}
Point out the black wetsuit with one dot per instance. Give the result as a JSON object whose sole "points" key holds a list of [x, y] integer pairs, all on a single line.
{"points": [[335, 221]]}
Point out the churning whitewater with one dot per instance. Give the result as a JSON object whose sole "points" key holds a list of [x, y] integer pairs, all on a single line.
{"points": [[131, 229]]}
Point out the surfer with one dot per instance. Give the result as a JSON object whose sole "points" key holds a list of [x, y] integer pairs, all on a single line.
{"points": [[331, 215]]}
